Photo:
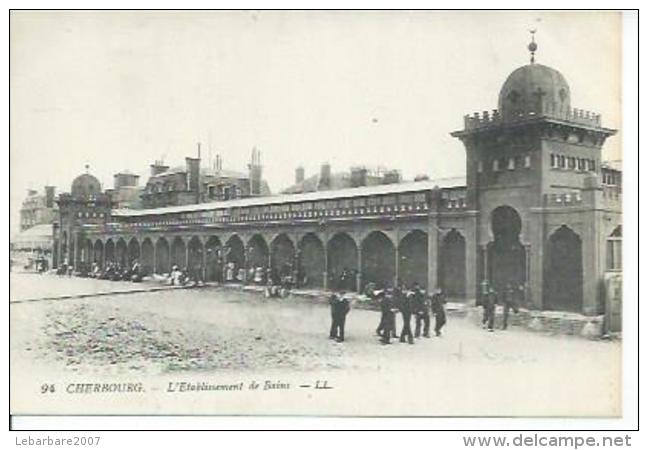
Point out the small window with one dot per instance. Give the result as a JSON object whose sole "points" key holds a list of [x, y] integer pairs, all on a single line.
{"points": [[480, 167], [496, 165], [511, 164], [563, 162], [527, 161], [572, 162]]}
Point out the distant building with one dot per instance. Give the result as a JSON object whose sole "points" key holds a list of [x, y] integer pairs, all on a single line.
{"points": [[359, 176], [38, 209], [126, 192], [191, 184]]}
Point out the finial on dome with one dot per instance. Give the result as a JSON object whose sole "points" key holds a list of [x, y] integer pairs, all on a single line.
{"points": [[87, 168], [532, 45]]}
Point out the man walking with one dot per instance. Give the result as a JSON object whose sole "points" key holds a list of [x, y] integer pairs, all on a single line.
{"points": [[489, 303], [438, 309], [508, 302], [406, 304], [339, 309], [386, 328], [422, 307]]}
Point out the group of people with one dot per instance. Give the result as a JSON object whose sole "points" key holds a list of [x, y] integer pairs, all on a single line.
{"points": [[115, 271], [413, 301], [509, 298]]}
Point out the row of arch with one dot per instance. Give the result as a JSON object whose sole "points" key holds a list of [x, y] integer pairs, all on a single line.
{"points": [[320, 263]]}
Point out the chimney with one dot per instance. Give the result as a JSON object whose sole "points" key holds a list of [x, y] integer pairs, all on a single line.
{"points": [[49, 196], [358, 176], [299, 175], [325, 177], [193, 176], [158, 167], [255, 172], [391, 177]]}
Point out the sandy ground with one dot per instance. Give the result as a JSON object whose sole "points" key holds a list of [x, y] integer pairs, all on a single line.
{"points": [[215, 336]]}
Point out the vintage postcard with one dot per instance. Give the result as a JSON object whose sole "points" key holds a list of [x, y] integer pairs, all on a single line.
{"points": [[320, 213]]}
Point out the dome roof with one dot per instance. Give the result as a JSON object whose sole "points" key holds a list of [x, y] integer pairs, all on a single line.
{"points": [[84, 185], [533, 88]]}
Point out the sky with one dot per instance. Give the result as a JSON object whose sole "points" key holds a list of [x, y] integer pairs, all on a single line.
{"points": [[119, 90]]}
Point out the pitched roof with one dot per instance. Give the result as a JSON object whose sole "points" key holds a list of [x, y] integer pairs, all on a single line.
{"points": [[411, 186]]}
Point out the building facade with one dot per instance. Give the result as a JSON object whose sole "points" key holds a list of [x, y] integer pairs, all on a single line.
{"points": [[538, 208], [38, 209]]}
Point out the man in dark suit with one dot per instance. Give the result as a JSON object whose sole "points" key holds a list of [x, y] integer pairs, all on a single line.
{"points": [[489, 303], [406, 306], [422, 309], [438, 309], [340, 307]]}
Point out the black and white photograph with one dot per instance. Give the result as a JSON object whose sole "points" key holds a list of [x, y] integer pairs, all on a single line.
{"points": [[316, 213]]}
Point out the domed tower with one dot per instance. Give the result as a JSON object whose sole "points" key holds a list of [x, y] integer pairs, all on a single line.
{"points": [[85, 204], [521, 158]]}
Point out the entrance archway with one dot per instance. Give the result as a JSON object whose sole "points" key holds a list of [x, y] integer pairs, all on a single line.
{"points": [[133, 251], [452, 264], [257, 252], [282, 255], [162, 256], [506, 255], [195, 263], [98, 252], [179, 253], [109, 248], [147, 262], [214, 269], [311, 261], [342, 259], [234, 254], [378, 259], [413, 258], [121, 252], [563, 277]]}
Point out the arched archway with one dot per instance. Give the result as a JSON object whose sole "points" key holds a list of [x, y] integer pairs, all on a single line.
{"points": [[563, 277], [162, 256], [413, 258], [282, 255], [179, 253], [311, 261], [195, 263], [98, 252], [133, 251], [147, 263], [121, 252], [506, 255], [378, 259], [257, 252], [234, 255], [88, 252], [109, 249], [214, 269], [452, 264], [342, 261]]}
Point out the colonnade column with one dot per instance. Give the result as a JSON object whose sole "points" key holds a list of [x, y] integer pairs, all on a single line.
{"points": [[471, 256], [433, 252], [325, 280], [359, 270]]}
